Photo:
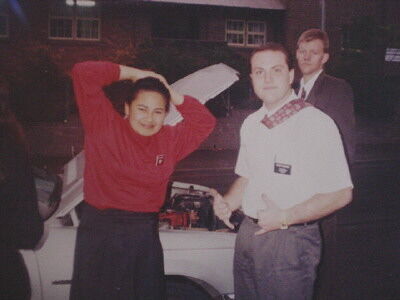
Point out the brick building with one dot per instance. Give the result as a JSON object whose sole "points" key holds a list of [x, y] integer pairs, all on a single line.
{"points": [[63, 32], [74, 30]]}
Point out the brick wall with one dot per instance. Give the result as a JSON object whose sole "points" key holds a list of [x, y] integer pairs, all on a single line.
{"points": [[123, 27], [300, 16]]}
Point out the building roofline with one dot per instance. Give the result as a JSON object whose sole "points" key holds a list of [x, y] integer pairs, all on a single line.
{"points": [[256, 4]]}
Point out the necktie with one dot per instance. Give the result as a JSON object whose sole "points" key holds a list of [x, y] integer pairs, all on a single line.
{"points": [[284, 113], [303, 94]]}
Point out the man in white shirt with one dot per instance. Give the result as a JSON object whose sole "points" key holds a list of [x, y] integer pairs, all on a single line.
{"points": [[292, 172]]}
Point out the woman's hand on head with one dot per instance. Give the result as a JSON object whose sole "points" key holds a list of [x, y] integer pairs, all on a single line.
{"points": [[130, 73]]}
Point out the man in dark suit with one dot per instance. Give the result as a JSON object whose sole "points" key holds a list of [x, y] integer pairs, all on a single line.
{"points": [[334, 97]]}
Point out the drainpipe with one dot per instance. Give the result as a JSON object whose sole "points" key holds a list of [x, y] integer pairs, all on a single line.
{"points": [[323, 14]]}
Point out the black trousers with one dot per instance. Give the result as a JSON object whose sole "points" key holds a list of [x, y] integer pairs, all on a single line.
{"points": [[14, 278], [118, 255]]}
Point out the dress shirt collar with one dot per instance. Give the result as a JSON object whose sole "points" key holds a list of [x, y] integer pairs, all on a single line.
{"points": [[309, 85]]}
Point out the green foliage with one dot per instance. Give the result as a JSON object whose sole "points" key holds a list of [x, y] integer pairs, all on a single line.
{"points": [[37, 90]]}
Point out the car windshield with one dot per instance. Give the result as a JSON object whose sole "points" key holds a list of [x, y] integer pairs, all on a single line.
{"points": [[48, 189]]}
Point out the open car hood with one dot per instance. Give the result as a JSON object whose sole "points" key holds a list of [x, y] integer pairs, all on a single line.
{"points": [[203, 85]]}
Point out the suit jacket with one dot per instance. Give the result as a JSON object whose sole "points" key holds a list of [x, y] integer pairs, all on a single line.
{"points": [[334, 96]]}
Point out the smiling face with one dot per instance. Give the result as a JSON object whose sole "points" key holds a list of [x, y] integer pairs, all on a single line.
{"points": [[271, 77], [311, 57], [147, 112]]}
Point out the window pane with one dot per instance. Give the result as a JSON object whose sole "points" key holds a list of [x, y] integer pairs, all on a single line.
{"points": [[235, 25], [61, 28], [256, 27], [88, 29], [234, 38], [255, 39]]}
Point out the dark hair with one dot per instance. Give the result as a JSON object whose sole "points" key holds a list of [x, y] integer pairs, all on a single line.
{"points": [[147, 84], [9, 124], [12, 136], [272, 46], [315, 34]]}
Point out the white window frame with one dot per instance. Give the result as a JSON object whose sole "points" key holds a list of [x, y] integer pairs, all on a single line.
{"points": [[245, 32], [238, 32], [4, 14], [255, 33], [392, 55], [74, 27]]}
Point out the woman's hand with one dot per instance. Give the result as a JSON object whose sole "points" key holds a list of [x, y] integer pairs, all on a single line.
{"points": [[130, 73]]}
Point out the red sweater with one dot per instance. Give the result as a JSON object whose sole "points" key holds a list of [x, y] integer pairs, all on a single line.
{"points": [[123, 169]]}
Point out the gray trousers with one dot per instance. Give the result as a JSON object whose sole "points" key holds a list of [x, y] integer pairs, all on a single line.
{"points": [[280, 264]]}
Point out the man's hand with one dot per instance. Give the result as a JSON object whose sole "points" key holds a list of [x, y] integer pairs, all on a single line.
{"points": [[271, 217], [221, 208]]}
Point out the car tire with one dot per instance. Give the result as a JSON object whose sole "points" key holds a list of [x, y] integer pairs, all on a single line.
{"points": [[185, 289]]}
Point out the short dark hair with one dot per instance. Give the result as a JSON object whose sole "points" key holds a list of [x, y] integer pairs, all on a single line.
{"points": [[314, 34], [272, 46], [147, 84]]}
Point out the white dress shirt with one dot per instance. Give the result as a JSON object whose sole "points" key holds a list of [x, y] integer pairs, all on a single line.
{"points": [[308, 144]]}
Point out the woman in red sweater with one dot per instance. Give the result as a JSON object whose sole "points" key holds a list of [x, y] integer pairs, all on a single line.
{"points": [[128, 162]]}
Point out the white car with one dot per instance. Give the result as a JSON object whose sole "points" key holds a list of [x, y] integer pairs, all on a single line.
{"points": [[198, 261]]}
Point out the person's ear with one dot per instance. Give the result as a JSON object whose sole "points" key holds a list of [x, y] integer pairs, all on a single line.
{"points": [[325, 58], [291, 75], [126, 109]]}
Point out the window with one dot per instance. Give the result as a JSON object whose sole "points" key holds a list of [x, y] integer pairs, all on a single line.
{"points": [[255, 33], [4, 22], [235, 32], [245, 33], [74, 19], [392, 55]]}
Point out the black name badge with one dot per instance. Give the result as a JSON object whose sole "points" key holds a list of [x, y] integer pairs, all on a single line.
{"points": [[284, 169]]}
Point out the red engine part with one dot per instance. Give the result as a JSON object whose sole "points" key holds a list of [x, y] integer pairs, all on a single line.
{"points": [[176, 218]]}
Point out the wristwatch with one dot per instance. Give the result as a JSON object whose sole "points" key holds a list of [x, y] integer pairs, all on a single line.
{"points": [[284, 223]]}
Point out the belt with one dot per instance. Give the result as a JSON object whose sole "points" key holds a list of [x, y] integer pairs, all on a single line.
{"points": [[255, 221]]}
